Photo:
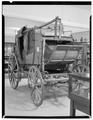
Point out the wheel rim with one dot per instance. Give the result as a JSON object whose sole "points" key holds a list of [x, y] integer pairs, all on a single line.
{"points": [[13, 72], [36, 85]]}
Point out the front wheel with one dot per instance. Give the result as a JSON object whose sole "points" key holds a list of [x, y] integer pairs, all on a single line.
{"points": [[36, 83]]}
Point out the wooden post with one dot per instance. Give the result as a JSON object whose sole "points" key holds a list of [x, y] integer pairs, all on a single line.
{"points": [[55, 29], [72, 108], [60, 29], [42, 56]]}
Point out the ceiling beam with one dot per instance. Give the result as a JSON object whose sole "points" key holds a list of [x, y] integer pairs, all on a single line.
{"points": [[44, 20]]}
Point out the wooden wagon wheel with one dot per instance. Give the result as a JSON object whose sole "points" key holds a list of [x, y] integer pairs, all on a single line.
{"points": [[78, 69], [13, 72], [36, 83]]}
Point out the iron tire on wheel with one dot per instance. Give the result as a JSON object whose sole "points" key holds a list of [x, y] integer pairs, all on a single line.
{"points": [[36, 85], [13, 71]]}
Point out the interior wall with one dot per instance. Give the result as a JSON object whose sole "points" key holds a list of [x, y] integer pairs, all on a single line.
{"points": [[74, 18]]}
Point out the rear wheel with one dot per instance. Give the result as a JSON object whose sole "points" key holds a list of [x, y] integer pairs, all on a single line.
{"points": [[36, 83], [78, 69], [13, 71]]}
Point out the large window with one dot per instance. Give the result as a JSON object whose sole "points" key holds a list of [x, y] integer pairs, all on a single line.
{"points": [[8, 49]]}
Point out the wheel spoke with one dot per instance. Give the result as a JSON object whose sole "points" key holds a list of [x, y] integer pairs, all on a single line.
{"points": [[39, 89], [37, 95], [78, 68]]}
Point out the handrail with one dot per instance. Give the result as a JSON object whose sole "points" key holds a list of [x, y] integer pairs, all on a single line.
{"points": [[54, 20], [39, 27]]}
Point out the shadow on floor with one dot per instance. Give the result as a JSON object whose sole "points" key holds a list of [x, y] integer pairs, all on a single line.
{"points": [[20, 99], [51, 94]]}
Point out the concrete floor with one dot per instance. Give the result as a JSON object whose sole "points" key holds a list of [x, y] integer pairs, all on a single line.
{"points": [[18, 102]]}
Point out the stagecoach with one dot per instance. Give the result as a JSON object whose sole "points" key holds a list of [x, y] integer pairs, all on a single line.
{"points": [[43, 59]]}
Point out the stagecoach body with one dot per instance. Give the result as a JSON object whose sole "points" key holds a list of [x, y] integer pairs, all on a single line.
{"points": [[47, 52], [42, 59]]}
